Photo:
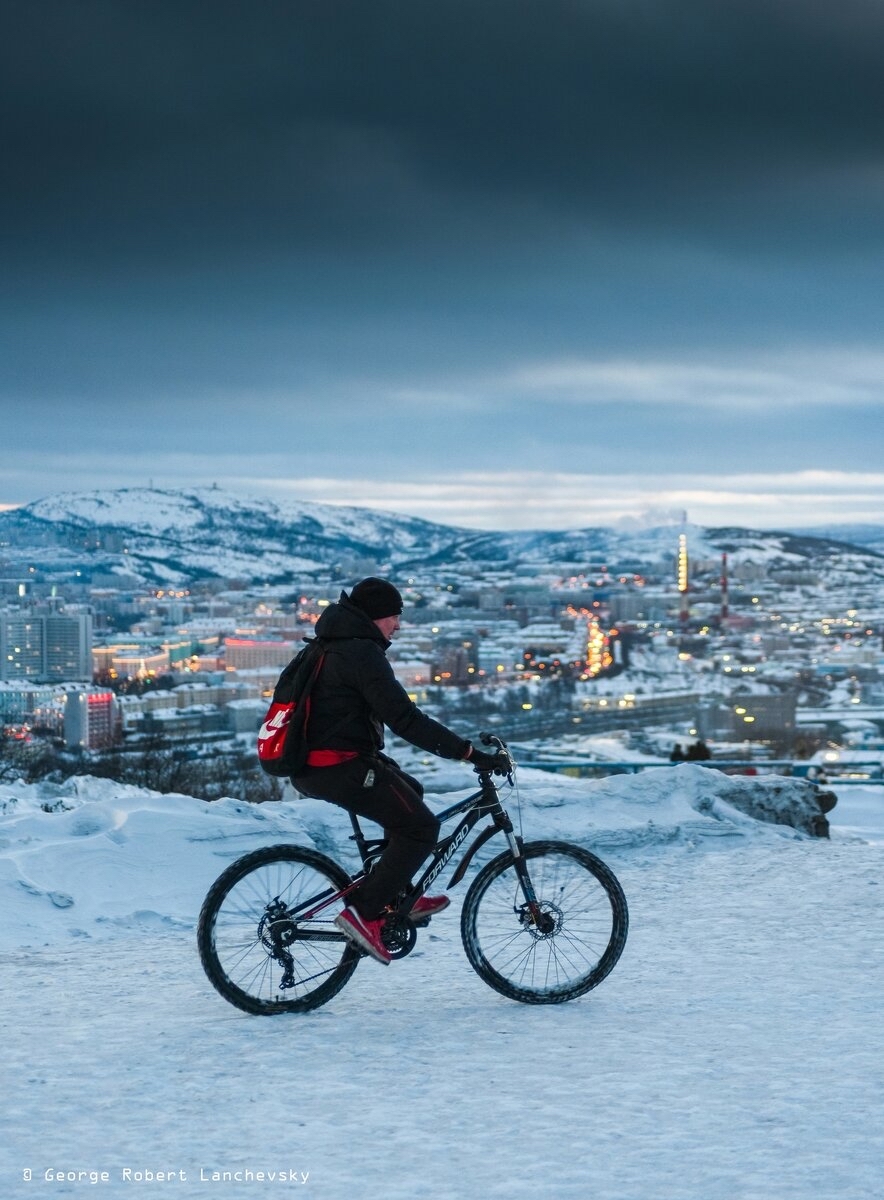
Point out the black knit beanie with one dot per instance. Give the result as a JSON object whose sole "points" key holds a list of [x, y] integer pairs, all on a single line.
{"points": [[377, 598]]}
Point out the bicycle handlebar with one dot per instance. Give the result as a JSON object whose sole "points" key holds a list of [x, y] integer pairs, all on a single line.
{"points": [[491, 739]]}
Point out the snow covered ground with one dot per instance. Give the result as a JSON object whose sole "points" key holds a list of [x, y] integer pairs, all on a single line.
{"points": [[735, 1053]]}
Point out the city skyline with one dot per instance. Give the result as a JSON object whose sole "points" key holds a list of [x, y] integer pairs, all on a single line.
{"points": [[505, 268]]}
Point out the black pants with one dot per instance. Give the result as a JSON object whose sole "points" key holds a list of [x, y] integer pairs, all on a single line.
{"points": [[376, 788]]}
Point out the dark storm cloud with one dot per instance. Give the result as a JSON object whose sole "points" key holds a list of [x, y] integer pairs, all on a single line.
{"points": [[140, 127]]}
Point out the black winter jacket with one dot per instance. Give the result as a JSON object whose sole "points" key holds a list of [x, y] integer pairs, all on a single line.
{"points": [[356, 693]]}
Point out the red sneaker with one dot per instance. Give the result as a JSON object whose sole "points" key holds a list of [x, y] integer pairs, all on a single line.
{"points": [[427, 906], [366, 934]]}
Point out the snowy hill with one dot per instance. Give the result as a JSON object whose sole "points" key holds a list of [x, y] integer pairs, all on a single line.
{"points": [[174, 536], [868, 537]]}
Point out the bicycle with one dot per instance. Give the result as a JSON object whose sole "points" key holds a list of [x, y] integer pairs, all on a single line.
{"points": [[542, 923]]}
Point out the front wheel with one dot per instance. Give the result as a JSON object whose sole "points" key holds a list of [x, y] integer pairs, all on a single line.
{"points": [[561, 947], [266, 933]]}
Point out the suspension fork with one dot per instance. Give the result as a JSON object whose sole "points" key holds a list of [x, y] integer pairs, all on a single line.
{"points": [[503, 821], [527, 886]]}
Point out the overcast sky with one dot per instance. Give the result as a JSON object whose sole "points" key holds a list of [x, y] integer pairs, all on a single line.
{"points": [[498, 263]]}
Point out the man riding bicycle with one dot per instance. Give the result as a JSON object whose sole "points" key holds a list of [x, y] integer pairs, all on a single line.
{"points": [[355, 695]]}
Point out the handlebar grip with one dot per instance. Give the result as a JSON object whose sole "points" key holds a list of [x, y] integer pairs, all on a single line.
{"points": [[491, 739]]}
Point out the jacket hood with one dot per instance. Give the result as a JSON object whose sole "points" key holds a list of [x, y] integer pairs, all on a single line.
{"points": [[344, 620]]}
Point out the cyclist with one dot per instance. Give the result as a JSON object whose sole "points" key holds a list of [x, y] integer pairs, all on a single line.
{"points": [[354, 697]]}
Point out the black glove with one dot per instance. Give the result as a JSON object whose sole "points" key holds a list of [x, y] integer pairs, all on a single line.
{"points": [[498, 762]]}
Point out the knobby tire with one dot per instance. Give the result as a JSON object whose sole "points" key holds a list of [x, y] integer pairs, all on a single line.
{"points": [[239, 936], [585, 921]]}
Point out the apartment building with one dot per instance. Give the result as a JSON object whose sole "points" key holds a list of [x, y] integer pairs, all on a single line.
{"points": [[45, 645]]}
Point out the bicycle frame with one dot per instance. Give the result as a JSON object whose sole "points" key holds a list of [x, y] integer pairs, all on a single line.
{"points": [[483, 803]]}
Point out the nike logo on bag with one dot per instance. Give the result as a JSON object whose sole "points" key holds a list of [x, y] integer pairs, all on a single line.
{"points": [[271, 728]]}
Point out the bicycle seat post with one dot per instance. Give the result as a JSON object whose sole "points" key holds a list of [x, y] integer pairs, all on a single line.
{"points": [[358, 837]]}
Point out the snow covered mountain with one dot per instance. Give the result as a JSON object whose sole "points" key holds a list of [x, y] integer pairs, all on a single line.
{"points": [[169, 536], [870, 537]]}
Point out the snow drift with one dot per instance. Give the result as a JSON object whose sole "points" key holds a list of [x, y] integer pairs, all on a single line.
{"points": [[91, 857]]}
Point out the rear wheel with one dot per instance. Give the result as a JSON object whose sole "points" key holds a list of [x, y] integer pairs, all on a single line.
{"points": [[267, 941], [562, 948]]}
